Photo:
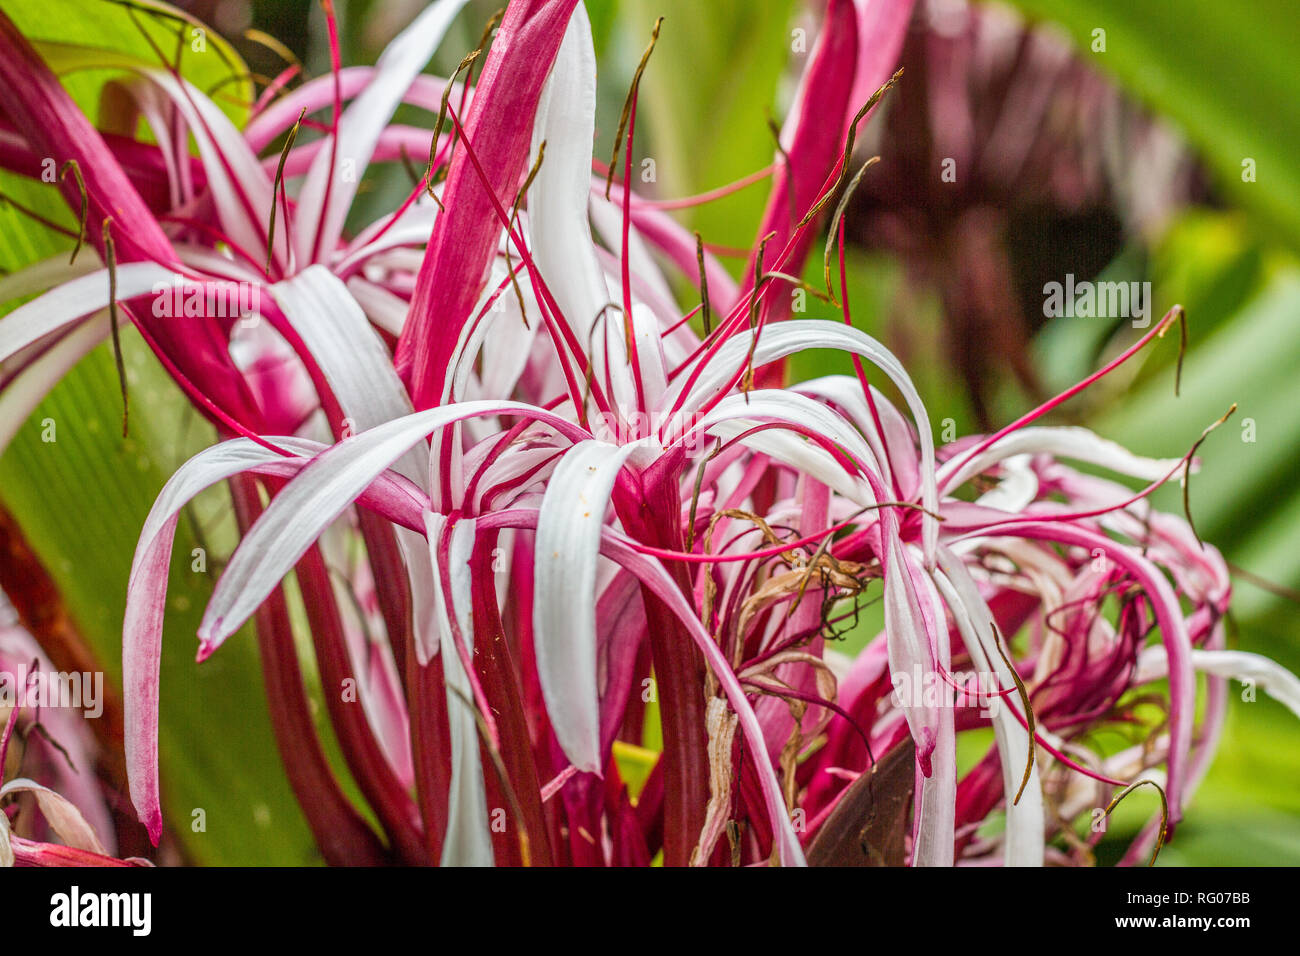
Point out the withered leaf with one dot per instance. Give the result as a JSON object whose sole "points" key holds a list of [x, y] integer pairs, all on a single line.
{"points": [[867, 826]]}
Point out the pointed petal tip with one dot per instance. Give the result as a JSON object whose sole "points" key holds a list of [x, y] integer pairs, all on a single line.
{"points": [[925, 750], [591, 763]]}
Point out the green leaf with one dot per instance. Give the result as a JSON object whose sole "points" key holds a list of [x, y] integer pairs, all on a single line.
{"points": [[82, 498], [75, 36]]}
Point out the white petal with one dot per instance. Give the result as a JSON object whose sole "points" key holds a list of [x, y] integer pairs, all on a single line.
{"points": [[351, 355], [313, 500], [1016, 489], [846, 392], [786, 406], [469, 840], [559, 231], [780, 339], [1073, 442], [1025, 825], [75, 300], [1274, 679], [564, 611]]}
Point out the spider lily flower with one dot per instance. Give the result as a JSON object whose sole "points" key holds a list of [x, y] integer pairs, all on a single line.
{"points": [[214, 239], [579, 517]]}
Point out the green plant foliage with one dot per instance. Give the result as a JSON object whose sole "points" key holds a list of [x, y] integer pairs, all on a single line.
{"points": [[82, 499]]}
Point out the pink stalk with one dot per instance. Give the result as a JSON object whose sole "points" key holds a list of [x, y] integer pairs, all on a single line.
{"points": [[343, 836]]}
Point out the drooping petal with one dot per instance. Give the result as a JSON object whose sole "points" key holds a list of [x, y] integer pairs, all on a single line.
{"points": [[564, 610], [896, 449], [468, 841], [1025, 820], [781, 405], [146, 595], [62, 814], [44, 275], [313, 500]]}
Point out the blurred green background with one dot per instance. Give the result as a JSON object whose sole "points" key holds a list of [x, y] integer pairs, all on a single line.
{"points": [[1219, 78]]}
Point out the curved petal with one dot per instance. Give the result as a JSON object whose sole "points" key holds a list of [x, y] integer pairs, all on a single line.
{"points": [[313, 500], [146, 595], [1073, 442], [1278, 682], [61, 813], [780, 339]]}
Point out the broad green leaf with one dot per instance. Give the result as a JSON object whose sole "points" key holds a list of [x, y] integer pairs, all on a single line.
{"points": [[74, 35], [82, 498]]}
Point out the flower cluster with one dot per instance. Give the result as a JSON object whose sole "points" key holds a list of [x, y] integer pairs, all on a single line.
{"points": [[574, 567]]}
